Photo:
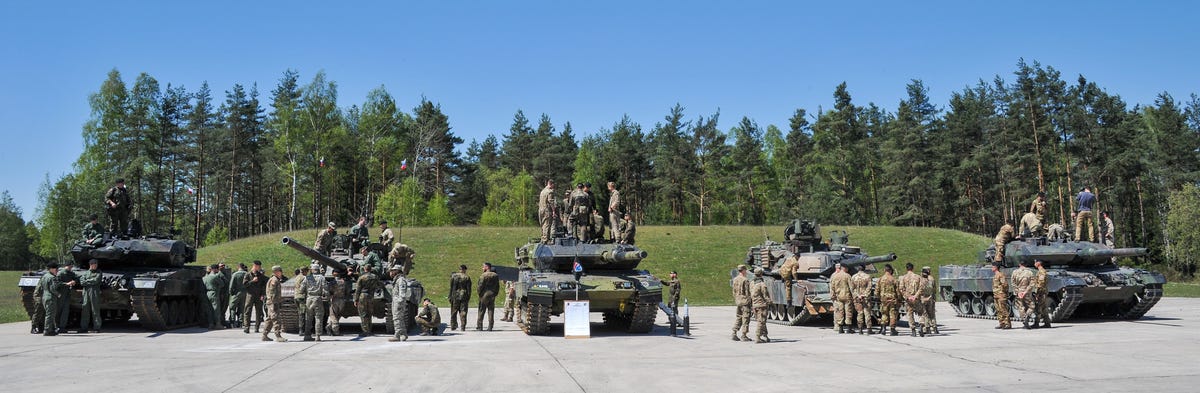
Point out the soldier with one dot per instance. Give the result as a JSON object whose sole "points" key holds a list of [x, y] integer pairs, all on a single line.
{"points": [[1038, 208], [325, 239], [888, 292], [401, 255], [510, 300], [1003, 237], [364, 297], [1106, 229], [1030, 226], [489, 287], [460, 297], [787, 271], [627, 230], [339, 292], [1041, 290], [843, 311], [429, 318], [614, 211], [48, 286], [1023, 286], [274, 298], [386, 237], [547, 210], [316, 295], [91, 281], [760, 299], [93, 232], [371, 260], [1055, 232], [565, 215], [69, 281], [1000, 295], [359, 237], [929, 300], [741, 299], [401, 294], [214, 284], [675, 291], [910, 289], [254, 286], [301, 298], [581, 213], [1086, 201], [118, 204], [227, 276], [860, 289], [37, 320], [237, 295]]}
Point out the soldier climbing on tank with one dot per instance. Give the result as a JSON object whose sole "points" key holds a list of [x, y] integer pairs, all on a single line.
{"points": [[371, 260], [1086, 201], [1030, 226], [92, 280], [1056, 232], [117, 204], [1000, 296], [787, 271], [1038, 208], [1002, 238], [402, 256], [93, 232], [359, 236], [1041, 291], [888, 292], [325, 239]]}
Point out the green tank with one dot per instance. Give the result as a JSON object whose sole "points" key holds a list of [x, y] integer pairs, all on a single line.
{"points": [[1083, 278], [346, 265], [145, 276], [814, 262], [604, 274]]}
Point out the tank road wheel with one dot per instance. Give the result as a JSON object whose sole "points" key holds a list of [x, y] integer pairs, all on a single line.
{"points": [[538, 319], [963, 303], [643, 318], [989, 305], [977, 305]]}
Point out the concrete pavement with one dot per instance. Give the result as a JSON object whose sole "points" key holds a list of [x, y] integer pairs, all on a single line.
{"points": [[1157, 353]]}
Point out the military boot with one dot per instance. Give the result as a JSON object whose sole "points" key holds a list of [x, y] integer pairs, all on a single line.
{"points": [[894, 331], [279, 338], [735, 337], [256, 326], [745, 337], [914, 332], [870, 331], [758, 340], [935, 330], [308, 336], [265, 338], [841, 329], [246, 330], [1046, 324], [862, 330]]}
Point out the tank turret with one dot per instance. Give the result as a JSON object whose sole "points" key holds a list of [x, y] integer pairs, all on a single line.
{"points": [[147, 251], [561, 255], [1063, 253]]}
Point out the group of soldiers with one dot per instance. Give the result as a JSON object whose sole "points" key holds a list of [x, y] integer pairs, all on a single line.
{"points": [[1031, 292], [1032, 223], [577, 213], [53, 295], [750, 299], [852, 300]]}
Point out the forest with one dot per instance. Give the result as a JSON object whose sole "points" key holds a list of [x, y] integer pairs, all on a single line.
{"points": [[218, 167]]}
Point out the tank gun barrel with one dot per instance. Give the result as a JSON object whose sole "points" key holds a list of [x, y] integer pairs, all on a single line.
{"points": [[877, 259], [1112, 253], [316, 256], [624, 256]]}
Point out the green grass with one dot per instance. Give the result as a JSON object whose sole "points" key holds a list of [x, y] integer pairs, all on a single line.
{"points": [[11, 309], [1182, 289]]}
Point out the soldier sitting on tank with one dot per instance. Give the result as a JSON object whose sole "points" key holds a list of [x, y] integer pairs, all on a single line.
{"points": [[627, 230], [93, 232], [1030, 225], [359, 236], [325, 239], [1055, 232]]}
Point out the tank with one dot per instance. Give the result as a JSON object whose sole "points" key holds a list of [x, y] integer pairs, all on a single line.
{"points": [[1083, 279], [341, 260], [145, 276], [627, 297], [809, 298]]}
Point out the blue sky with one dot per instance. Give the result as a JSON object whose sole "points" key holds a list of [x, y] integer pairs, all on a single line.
{"points": [[584, 62]]}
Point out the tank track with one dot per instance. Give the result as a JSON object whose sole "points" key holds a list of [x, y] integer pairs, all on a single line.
{"points": [[643, 318], [1150, 295], [289, 316], [1071, 298], [537, 319], [166, 313], [778, 314]]}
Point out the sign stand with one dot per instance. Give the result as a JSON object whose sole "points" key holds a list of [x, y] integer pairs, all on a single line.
{"points": [[576, 319]]}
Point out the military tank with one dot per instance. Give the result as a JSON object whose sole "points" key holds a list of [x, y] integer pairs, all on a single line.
{"points": [[811, 262], [1083, 278], [346, 265], [607, 277], [145, 276]]}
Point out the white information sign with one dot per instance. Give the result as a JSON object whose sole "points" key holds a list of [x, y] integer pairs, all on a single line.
{"points": [[577, 319]]}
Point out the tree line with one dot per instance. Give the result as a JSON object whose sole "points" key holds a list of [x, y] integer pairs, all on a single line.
{"points": [[218, 169]]}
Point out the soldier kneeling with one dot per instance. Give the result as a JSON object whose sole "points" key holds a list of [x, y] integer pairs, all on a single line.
{"points": [[429, 318]]}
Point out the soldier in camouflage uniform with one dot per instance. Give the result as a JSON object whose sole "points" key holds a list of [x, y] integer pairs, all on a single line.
{"points": [[1056, 232], [92, 282], [255, 284], [910, 289], [1041, 291], [460, 297], [48, 287], [401, 255], [581, 213], [1030, 225], [1000, 295], [547, 210], [70, 280], [888, 292], [1038, 208], [93, 232], [676, 289], [929, 300], [860, 289], [1003, 237], [843, 311], [627, 230], [274, 298], [359, 236], [1023, 286], [787, 271], [316, 296], [741, 299], [614, 212], [401, 294], [489, 287], [760, 299], [364, 297], [339, 292], [510, 300], [1106, 232], [325, 239], [37, 321], [429, 318], [118, 205], [386, 236]]}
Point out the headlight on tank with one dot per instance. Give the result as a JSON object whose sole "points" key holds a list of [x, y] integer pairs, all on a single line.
{"points": [[566, 286], [541, 285], [28, 282], [623, 284], [144, 284]]}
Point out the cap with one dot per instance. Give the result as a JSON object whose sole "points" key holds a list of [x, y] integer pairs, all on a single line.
{"points": [[394, 268], [741, 268], [52, 265], [94, 261], [488, 264], [257, 262], [92, 217], [673, 272], [384, 222], [276, 268], [69, 263], [304, 268], [926, 269], [120, 181], [332, 225], [462, 267], [758, 271]]}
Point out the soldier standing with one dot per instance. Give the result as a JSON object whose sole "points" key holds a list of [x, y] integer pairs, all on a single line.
{"points": [[364, 297], [118, 204], [581, 213], [1086, 199], [316, 295], [860, 288], [1038, 208], [227, 276], [741, 299], [386, 237], [91, 281], [843, 313], [675, 291], [760, 299], [1002, 238], [1023, 286], [325, 239], [93, 232], [48, 286], [460, 297], [510, 300], [929, 300], [301, 298], [274, 298], [547, 210], [429, 318], [489, 287], [237, 295], [1041, 290], [38, 319], [70, 280], [614, 211], [1107, 230], [1000, 296], [401, 295], [627, 230], [338, 294], [910, 289], [359, 236], [214, 284], [254, 284], [888, 291]]}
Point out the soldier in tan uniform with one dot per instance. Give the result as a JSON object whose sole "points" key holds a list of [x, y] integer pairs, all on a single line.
{"points": [[1056, 232], [1023, 286], [787, 271], [274, 298], [910, 289], [1038, 208], [760, 300], [510, 301], [1003, 237], [339, 293], [860, 289], [460, 297], [1041, 290], [401, 255], [843, 300], [1030, 225], [1000, 295], [547, 210], [741, 299], [614, 210], [325, 239], [888, 292], [386, 236], [627, 231], [929, 300]]}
